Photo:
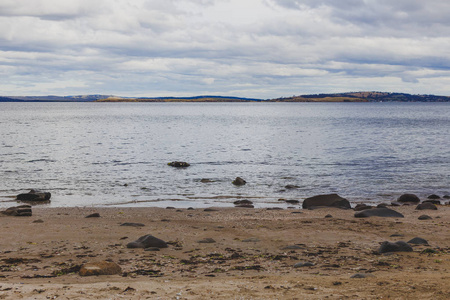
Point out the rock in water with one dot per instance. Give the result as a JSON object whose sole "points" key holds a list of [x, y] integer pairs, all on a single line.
{"points": [[399, 246], [147, 241], [426, 205], [34, 196], [408, 198], [179, 164], [379, 212], [239, 181], [329, 200], [100, 268], [18, 211], [433, 197]]}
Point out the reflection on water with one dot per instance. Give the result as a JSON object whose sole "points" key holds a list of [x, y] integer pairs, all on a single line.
{"points": [[117, 153]]}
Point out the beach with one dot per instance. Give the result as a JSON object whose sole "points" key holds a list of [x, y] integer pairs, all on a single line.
{"points": [[224, 253]]}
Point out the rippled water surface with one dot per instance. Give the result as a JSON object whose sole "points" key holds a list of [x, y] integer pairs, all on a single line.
{"points": [[117, 153]]}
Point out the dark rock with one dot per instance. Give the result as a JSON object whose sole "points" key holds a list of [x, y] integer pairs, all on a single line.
{"points": [[360, 207], [425, 217], [133, 224], [303, 264], [206, 241], [382, 205], [179, 164], [190, 208], [418, 241], [361, 275], [274, 208], [379, 212], [251, 240], [410, 198], [436, 202], [433, 197], [206, 180], [446, 197], [94, 215], [293, 247], [329, 200], [397, 235], [147, 241], [395, 203], [328, 216], [18, 211], [210, 209], [426, 205], [100, 268], [399, 246], [152, 249], [239, 181], [292, 201], [242, 202], [170, 207], [245, 206], [38, 221], [34, 196], [291, 186]]}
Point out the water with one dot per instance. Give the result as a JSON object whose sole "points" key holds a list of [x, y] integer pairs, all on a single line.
{"points": [[117, 153]]}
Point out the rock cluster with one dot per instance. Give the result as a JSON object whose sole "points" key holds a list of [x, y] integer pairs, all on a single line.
{"points": [[34, 196]]}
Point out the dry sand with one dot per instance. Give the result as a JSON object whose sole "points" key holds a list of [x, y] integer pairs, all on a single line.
{"points": [[247, 261]]}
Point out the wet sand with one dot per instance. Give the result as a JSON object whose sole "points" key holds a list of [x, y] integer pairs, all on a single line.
{"points": [[248, 260]]}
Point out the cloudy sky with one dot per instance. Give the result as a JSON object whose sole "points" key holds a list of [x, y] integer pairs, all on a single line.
{"points": [[249, 48]]}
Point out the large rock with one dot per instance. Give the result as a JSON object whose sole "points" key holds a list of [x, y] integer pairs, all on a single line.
{"points": [[239, 181], [426, 205], [147, 241], [399, 246], [18, 211], [179, 164], [360, 207], [418, 241], [408, 198], [379, 212], [329, 200], [100, 268], [34, 196]]}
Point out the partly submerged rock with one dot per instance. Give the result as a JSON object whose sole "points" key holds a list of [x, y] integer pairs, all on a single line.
{"points": [[147, 241], [179, 164], [408, 198], [328, 200], [360, 207], [239, 181], [399, 246], [100, 268], [379, 212], [34, 196], [426, 205], [18, 211]]}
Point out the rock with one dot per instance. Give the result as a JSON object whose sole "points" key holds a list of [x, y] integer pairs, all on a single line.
{"points": [[239, 181], [210, 209], [179, 164], [243, 202], [292, 201], [206, 180], [360, 207], [328, 216], [133, 224], [395, 203], [34, 196], [408, 198], [251, 240], [206, 241], [94, 215], [361, 275], [291, 186], [329, 200], [426, 205], [399, 246], [293, 247], [446, 197], [433, 201], [147, 241], [303, 264], [418, 241], [100, 268], [245, 206], [379, 212], [433, 197], [152, 249], [38, 221], [425, 217], [382, 205], [18, 211]]}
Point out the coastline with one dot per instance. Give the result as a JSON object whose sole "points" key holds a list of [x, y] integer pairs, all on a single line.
{"points": [[248, 259]]}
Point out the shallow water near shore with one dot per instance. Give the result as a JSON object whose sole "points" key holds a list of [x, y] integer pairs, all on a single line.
{"points": [[97, 154]]}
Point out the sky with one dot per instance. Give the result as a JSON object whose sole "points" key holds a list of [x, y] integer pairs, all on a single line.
{"points": [[246, 48]]}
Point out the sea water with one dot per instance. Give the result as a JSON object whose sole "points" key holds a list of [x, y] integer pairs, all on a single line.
{"points": [[99, 154]]}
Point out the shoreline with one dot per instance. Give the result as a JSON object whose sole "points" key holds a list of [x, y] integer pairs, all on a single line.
{"points": [[253, 255]]}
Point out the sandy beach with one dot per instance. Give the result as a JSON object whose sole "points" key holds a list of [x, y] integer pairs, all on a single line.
{"points": [[224, 253]]}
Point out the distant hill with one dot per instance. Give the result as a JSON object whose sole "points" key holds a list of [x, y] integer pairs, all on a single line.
{"points": [[77, 98], [180, 99], [364, 97]]}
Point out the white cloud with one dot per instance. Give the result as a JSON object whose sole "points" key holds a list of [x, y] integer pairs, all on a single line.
{"points": [[253, 48]]}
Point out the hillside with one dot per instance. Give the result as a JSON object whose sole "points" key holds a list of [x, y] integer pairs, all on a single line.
{"points": [[179, 99], [364, 97]]}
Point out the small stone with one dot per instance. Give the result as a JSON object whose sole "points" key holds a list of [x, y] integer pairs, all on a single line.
{"points": [[147, 241], [328, 216], [418, 241], [152, 249], [303, 264], [399, 246], [425, 217], [100, 268], [94, 215], [206, 241], [179, 164], [132, 224], [38, 221], [361, 275], [251, 240]]}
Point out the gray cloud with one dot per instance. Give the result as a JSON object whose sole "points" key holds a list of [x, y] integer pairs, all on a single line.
{"points": [[250, 48]]}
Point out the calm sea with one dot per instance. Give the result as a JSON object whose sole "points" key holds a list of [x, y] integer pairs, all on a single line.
{"points": [[96, 154]]}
